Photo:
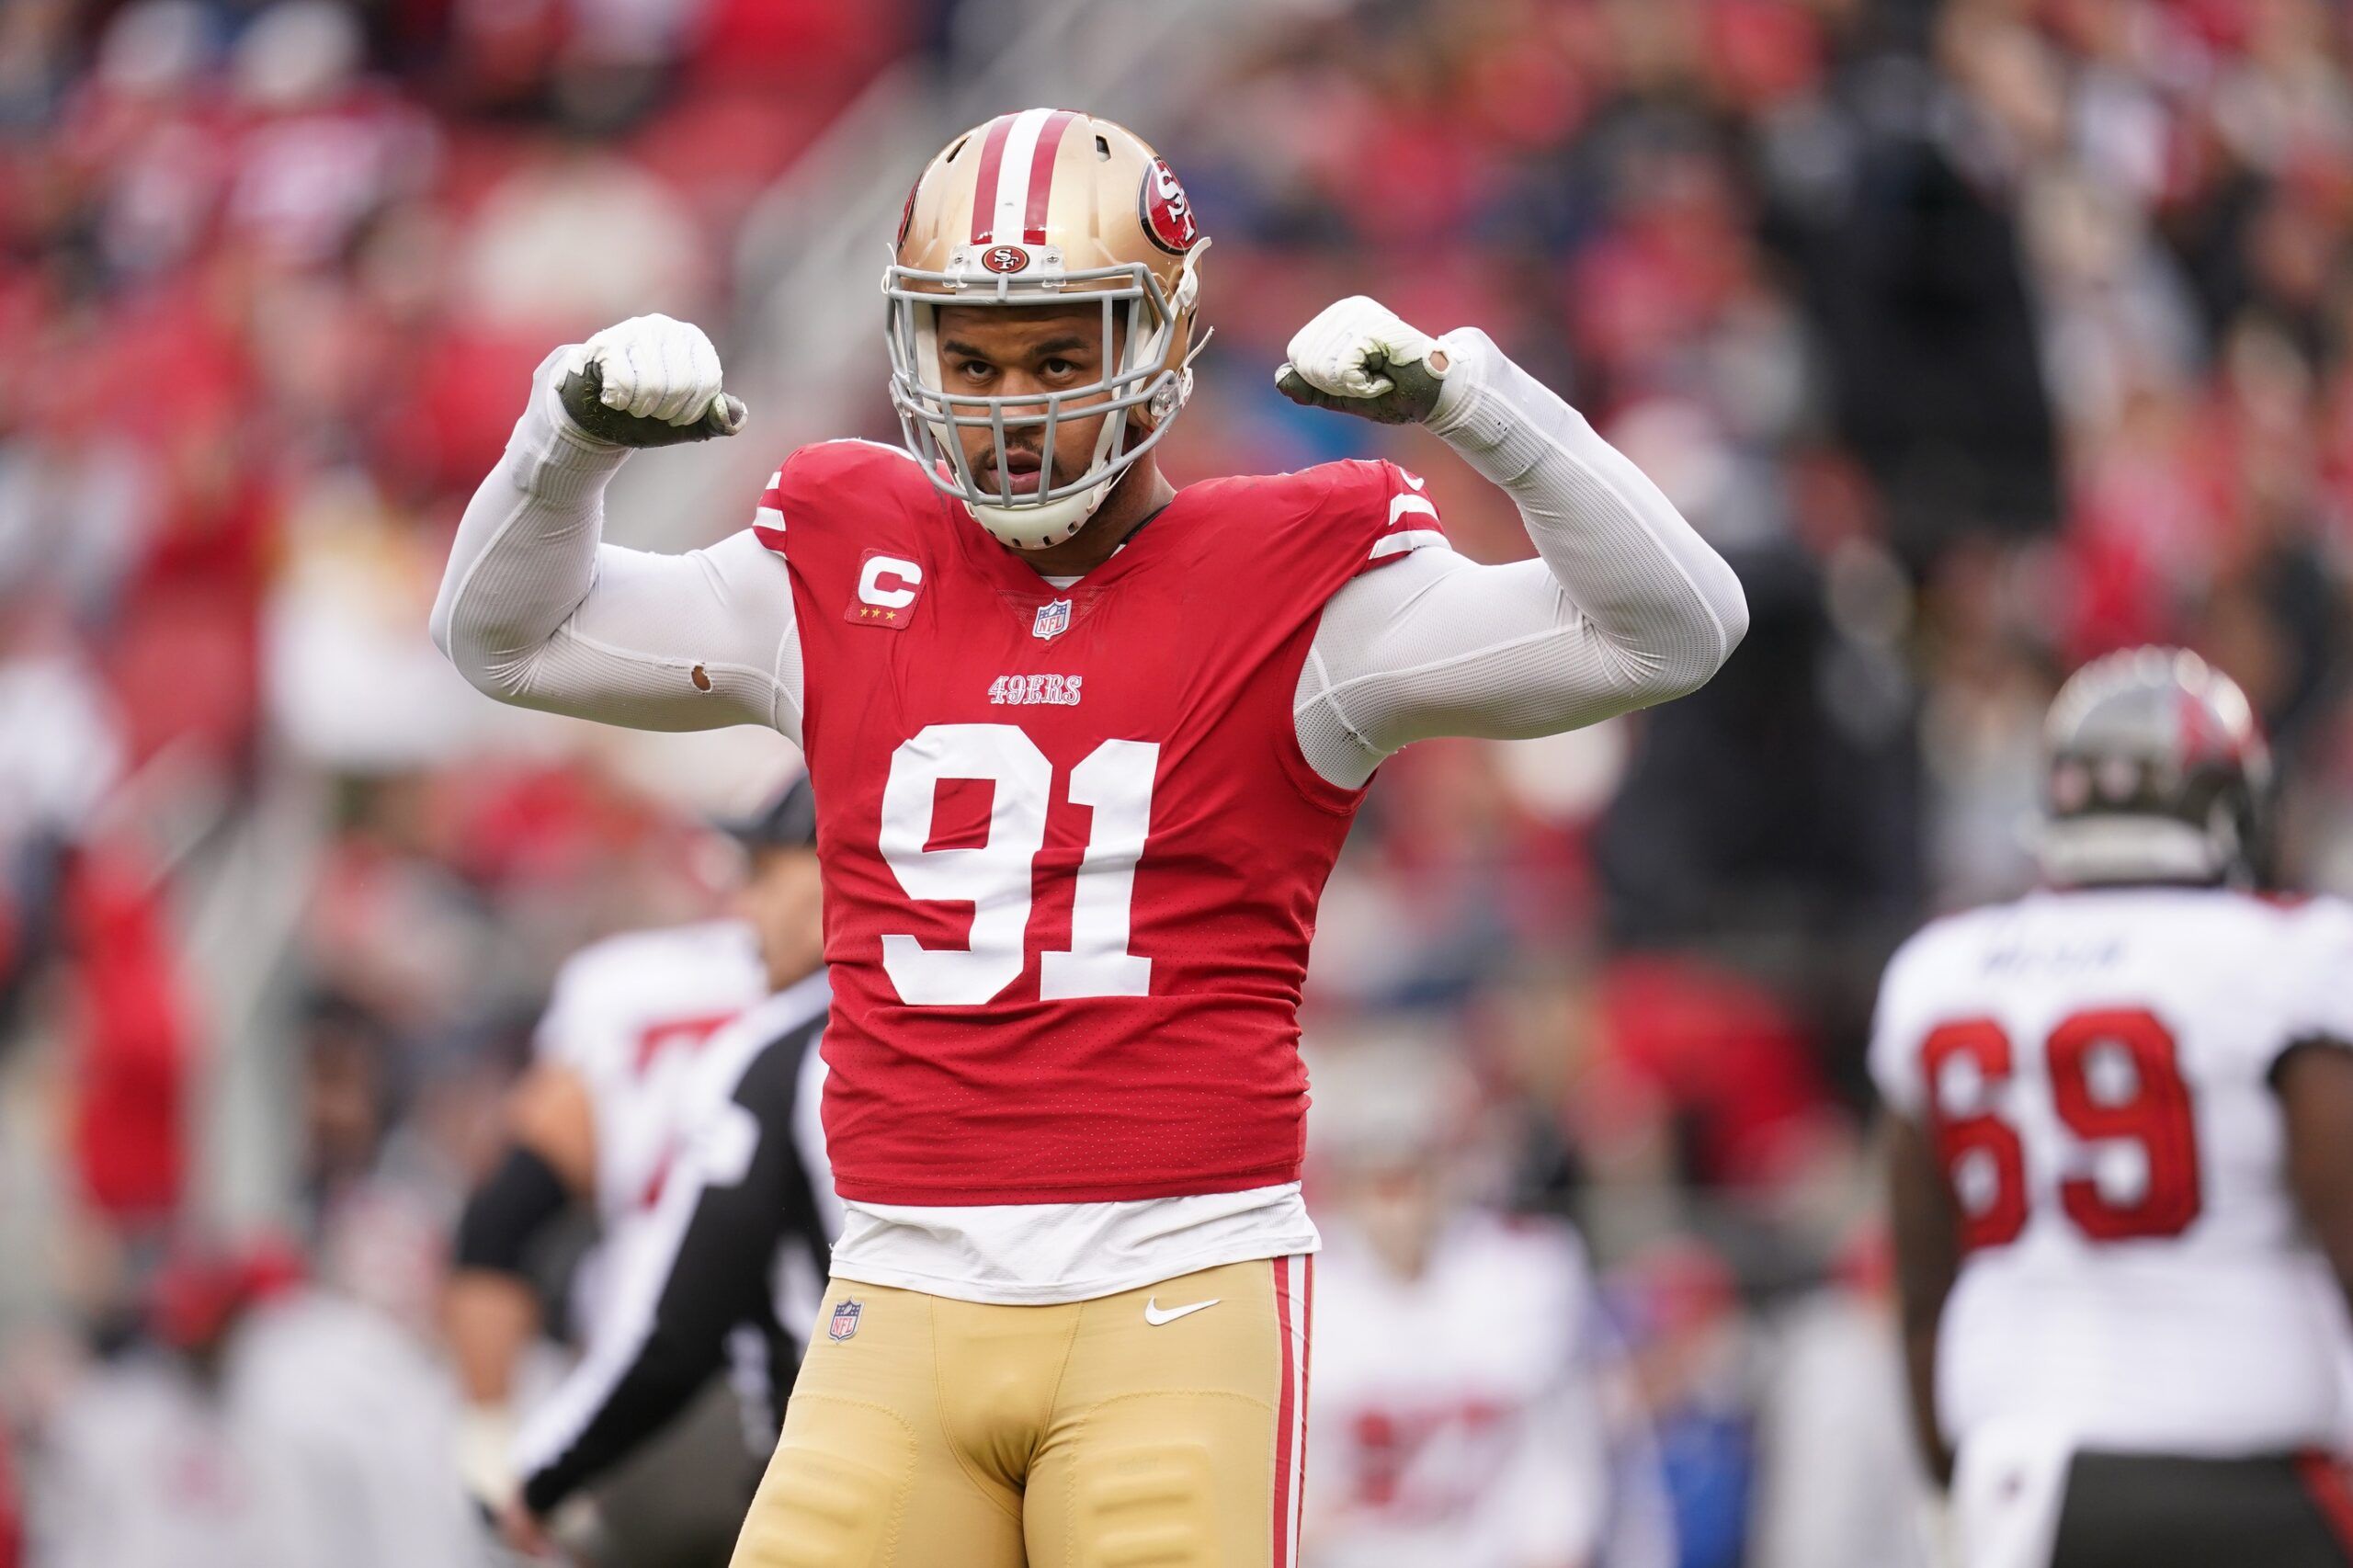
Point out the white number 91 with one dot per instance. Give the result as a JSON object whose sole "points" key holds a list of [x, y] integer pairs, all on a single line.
{"points": [[994, 876]]}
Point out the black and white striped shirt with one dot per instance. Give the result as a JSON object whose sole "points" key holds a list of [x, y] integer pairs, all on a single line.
{"points": [[733, 1264]]}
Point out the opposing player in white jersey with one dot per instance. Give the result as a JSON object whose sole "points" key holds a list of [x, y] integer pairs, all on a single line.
{"points": [[2122, 1145], [1474, 1408], [596, 1122]]}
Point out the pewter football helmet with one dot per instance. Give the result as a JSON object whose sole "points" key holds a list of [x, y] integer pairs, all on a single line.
{"points": [[2158, 772]]}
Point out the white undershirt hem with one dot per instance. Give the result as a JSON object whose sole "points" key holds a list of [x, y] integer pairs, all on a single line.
{"points": [[1034, 1254]]}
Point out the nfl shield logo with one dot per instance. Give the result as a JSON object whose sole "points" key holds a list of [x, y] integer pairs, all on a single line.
{"points": [[1053, 619], [845, 1322]]}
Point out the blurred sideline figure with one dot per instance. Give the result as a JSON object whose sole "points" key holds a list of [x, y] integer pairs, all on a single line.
{"points": [[651, 1042], [1839, 1484], [2122, 1147], [734, 1266], [1471, 1409], [268, 1425]]}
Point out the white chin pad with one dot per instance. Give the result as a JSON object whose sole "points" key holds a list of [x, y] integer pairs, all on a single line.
{"points": [[1039, 528]]}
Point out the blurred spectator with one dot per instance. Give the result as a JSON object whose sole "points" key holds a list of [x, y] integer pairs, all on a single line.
{"points": [[60, 755], [320, 150], [135, 1054], [269, 1425], [1840, 1482], [1693, 1362], [518, 275]]}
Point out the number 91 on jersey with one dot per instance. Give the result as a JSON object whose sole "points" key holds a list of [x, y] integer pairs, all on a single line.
{"points": [[1114, 781]]}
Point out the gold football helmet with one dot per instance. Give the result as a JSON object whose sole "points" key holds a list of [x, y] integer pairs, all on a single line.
{"points": [[1033, 209]]}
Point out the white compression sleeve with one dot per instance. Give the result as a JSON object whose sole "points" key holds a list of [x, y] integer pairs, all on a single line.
{"points": [[535, 612], [1626, 607]]}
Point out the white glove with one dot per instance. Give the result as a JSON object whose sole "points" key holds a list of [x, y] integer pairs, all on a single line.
{"points": [[1358, 357], [652, 367]]}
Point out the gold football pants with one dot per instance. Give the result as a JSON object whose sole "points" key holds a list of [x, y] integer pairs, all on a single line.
{"points": [[1160, 1428]]}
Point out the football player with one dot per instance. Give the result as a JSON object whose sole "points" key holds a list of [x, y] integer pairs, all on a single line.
{"points": [[601, 1120], [2120, 1115], [1472, 1406], [1086, 746]]}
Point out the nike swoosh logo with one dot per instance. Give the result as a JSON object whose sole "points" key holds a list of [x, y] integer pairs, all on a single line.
{"points": [[1154, 1316]]}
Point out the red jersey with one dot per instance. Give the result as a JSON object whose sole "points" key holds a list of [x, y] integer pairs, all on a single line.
{"points": [[1072, 849]]}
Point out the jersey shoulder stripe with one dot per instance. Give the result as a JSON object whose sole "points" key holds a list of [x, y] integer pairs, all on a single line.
{"points": [[768, 518], [1371, 506], [807, 486]]}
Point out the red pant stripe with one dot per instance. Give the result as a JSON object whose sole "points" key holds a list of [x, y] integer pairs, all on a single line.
{"points": [[1283, 1414], [1306, 1382]]}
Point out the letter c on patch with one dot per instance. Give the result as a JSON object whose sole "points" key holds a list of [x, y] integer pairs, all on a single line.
{"points": [[870, 577]]}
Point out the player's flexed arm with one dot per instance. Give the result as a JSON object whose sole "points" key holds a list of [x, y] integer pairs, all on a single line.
{"points": [[537, 612], [1627, 606]]}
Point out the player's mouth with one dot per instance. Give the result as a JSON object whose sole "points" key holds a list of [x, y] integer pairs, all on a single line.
{"points": [[1024, 473]]}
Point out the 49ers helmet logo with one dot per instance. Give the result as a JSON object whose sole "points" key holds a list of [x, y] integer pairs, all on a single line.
{"points": [[1166, 211], [1004, 258]]}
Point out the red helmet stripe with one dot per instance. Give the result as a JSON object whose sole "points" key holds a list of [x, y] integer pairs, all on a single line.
{"points": [[984, 187], [1041, 175]]}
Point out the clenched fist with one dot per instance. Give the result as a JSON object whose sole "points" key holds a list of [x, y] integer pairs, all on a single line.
{"points": [[649, 382], [1358, 358]]}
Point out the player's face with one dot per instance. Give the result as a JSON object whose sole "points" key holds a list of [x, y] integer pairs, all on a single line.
{"points": [[783, 900], [1399, 1207], [1020, 352]]}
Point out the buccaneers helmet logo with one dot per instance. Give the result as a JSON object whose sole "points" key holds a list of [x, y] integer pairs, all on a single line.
{"points": [[1166, 211]]}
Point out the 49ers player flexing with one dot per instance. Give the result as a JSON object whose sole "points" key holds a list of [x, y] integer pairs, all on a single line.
{"points": [[1084, 748]]}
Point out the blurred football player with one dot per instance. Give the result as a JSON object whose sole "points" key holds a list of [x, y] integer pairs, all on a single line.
{"points": [[1839, 1481], [1473, 1408], [2122, 1144], [600, 1121], [1085, 747]]}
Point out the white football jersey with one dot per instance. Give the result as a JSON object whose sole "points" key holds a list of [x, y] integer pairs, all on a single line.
{"points": [[1466, 1417], [630, 1014], [2094, 1069]]}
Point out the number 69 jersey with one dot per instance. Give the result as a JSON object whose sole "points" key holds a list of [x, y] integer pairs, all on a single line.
{"points": [[1071, 848], [2094, 1069]]}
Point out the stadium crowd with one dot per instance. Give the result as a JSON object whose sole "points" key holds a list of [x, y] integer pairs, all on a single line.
{"points": [[1982, 335]]}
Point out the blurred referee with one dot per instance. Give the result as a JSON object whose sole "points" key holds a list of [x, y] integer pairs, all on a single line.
{"points": [[730, 1271]]}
